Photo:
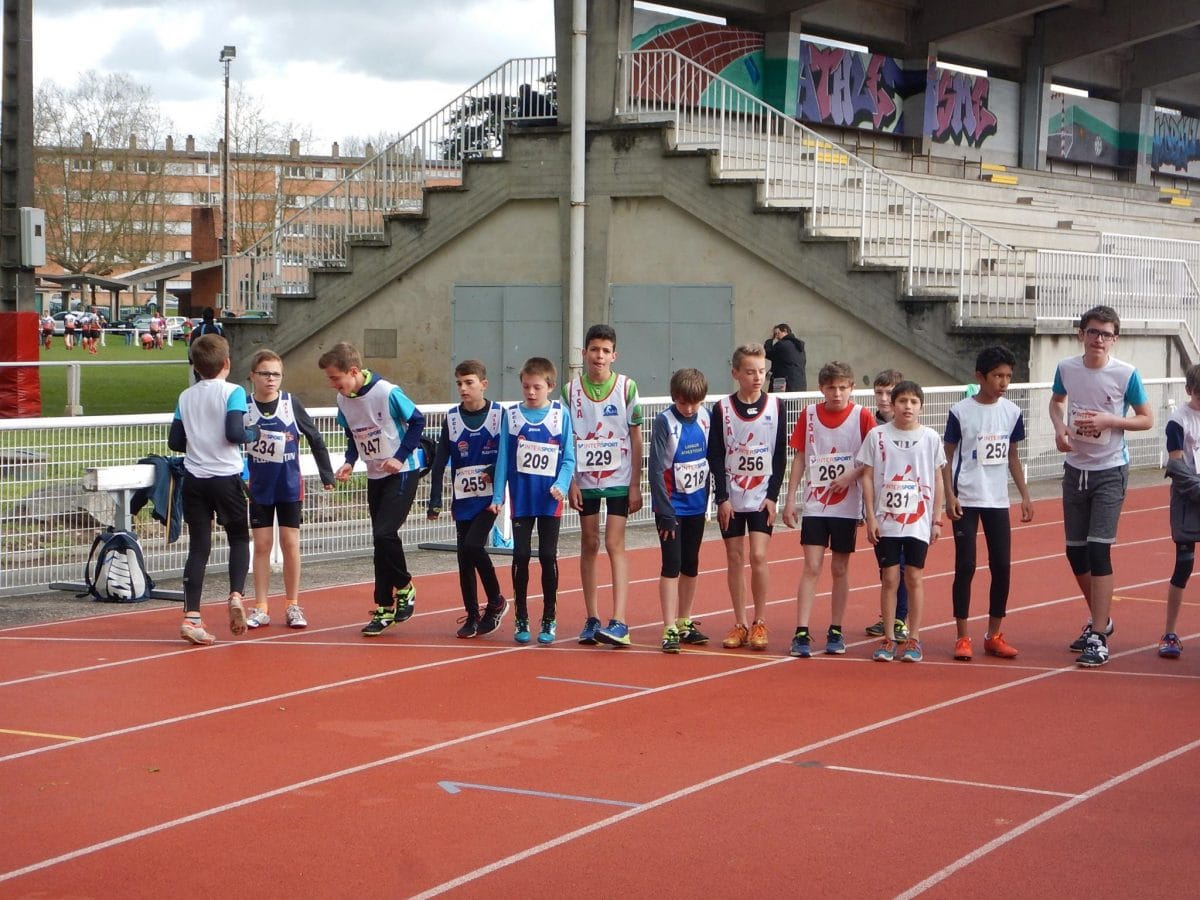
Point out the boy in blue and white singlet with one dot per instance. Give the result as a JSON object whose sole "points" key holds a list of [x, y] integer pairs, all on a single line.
{"points": [[1089, 402], [276, 487], [679, 479], [470, 444], [537, 460], [384, 428], [1183, 464], [209, 429]]}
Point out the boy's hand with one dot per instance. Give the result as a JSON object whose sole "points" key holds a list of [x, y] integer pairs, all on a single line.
{"points": [[494, 508], [935, 532], [556, 494], [1062, 441], [635, 501], [953, 507], [575, 497], [724, 514], [846, 480], [873, 530], [666, 526], [770, 506], [789, 513], [1026, 510], [343, 472], [391, 465]]}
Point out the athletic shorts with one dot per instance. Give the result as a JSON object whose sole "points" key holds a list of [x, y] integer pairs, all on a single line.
{"points": [[262, 515], [741, 522], [223, 496], [835, 532], [1092, 504], [890, 550], [617, 506]]}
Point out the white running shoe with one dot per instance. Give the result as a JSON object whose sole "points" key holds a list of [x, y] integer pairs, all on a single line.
{"points": [[256, 618], [295, 616]]}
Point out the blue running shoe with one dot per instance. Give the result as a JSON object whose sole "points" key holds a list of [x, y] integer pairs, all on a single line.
{"points": [[522, 635], [616, 634], [801, 645], [834, 644], [912, 651], [588, 635], [886, 651], [1170, 647], [549, 630]]}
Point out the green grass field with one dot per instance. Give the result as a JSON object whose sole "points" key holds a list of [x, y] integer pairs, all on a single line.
{"points": [[115, 390]]}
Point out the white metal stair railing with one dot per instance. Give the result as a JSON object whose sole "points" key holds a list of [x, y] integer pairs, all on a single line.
{"points": [[940, 254], [521, 91], [1144, 290], [1159, 248]]}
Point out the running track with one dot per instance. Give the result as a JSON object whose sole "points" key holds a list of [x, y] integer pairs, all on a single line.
{"points": [[316, 763]]}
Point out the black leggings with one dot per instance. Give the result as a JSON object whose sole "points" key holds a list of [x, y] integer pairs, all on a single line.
{"points": [[547, 529], [225, 497], [681, 554], [998, 537], [473, 558], [1185, 559]]}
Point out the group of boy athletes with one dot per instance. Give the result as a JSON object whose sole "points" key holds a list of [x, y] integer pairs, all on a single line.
{"points": [[882, 469]]}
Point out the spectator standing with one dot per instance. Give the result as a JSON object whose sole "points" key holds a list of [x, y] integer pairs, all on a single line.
{"points": [[785, 353]]}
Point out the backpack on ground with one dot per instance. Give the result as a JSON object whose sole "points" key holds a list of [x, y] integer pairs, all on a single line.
{"points": [[116, 569]]}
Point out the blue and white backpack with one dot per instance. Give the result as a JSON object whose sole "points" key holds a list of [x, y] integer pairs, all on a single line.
{"points": [[116, 569]]}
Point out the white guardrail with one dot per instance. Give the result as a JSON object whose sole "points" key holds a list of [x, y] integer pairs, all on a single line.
{"points": [[47, 520]]}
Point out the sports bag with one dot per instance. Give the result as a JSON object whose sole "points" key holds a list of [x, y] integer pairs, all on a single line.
{"points": [[116, 569]]}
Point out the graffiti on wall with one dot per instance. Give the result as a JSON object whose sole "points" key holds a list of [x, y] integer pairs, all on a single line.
{"points": [[849, 89], [1083, 130], [733, 53], [1176, 142], [956, 107]]}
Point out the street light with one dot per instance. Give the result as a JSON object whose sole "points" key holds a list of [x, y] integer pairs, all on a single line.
{"points": [[228, 52]]}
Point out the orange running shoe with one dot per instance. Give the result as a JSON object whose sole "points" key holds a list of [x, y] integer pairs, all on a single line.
{"points": [[738, 637], [758, 635], [997, 646], [962, 648]]}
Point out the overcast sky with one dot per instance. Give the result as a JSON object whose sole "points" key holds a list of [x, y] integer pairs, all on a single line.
{"points": [[343, 68]]}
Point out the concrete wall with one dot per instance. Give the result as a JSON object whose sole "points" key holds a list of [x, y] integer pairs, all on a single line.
{"points": [[1155, 356]]}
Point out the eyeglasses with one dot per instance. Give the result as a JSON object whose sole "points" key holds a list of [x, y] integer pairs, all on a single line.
{"points": [[269, 374], [1105, 336]]}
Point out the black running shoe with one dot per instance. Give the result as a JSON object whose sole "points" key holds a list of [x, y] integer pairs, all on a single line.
{"points": [[406, 602], [492, 616]]}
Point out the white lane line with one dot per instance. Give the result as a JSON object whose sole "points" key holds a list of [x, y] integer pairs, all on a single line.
{"points": [[366, 767], [911, 777], [607, 684], [1012, 834]]}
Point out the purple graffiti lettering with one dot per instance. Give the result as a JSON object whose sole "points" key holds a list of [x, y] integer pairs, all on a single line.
{"points": [[840, 87], [956, 108]]}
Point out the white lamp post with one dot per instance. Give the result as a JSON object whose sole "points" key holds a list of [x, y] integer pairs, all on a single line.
{"points": [[228, 52]]}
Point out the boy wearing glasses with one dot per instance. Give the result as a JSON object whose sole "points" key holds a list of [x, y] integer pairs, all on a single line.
{"points": [[276, 488], [1089, 405]]}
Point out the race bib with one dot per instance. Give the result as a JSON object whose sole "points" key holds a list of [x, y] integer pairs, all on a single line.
{"points": [[472, 481], [369, 440], [691, 476], [899, 498], [268, 446], [992, 449], [1077, 435], [753, 461], [825, 469], [597, 455], [534, 458]]}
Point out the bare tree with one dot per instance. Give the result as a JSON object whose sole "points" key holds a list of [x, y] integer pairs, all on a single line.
{"points": [[97, 175]]}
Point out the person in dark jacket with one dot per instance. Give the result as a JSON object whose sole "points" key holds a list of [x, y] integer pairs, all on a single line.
{"points": [[785, 352]]}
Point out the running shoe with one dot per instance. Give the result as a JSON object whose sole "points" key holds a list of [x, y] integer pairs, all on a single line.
{"points": [[1080, 643], [548, 632], [962, 649], [875, 630], [406, 602], [1095, 654], [689, 633], [588, 635], [257, 618], [912, 651], [192, 631], [237, 615], [381, 618], [834, 644], [295, 616], [521, 635], [615, 633], [738, 636], [886, 651], [1170, 647], [468, 626], [996, 645], [670, 641], [493, 615], [900, 631], [801, 644], [758, 635]]}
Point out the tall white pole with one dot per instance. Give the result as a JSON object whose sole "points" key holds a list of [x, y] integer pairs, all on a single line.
{"points": [[227, 58], [578, 185]]}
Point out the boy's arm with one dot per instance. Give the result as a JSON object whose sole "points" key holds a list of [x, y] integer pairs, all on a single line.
{"points": [[236, 431], [316, 442], [716, 457], [660, 499], [1017, 471], [177, 438], [500, 478], [404, 412], [868, 489], [778, 464], [790, 519], [635, 478], [436, 473], [953, 507], [938, 505], [567, 472]]}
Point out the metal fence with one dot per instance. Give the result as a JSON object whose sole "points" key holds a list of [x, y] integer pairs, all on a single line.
{"points": [[47, 522], [1158, 248]]}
